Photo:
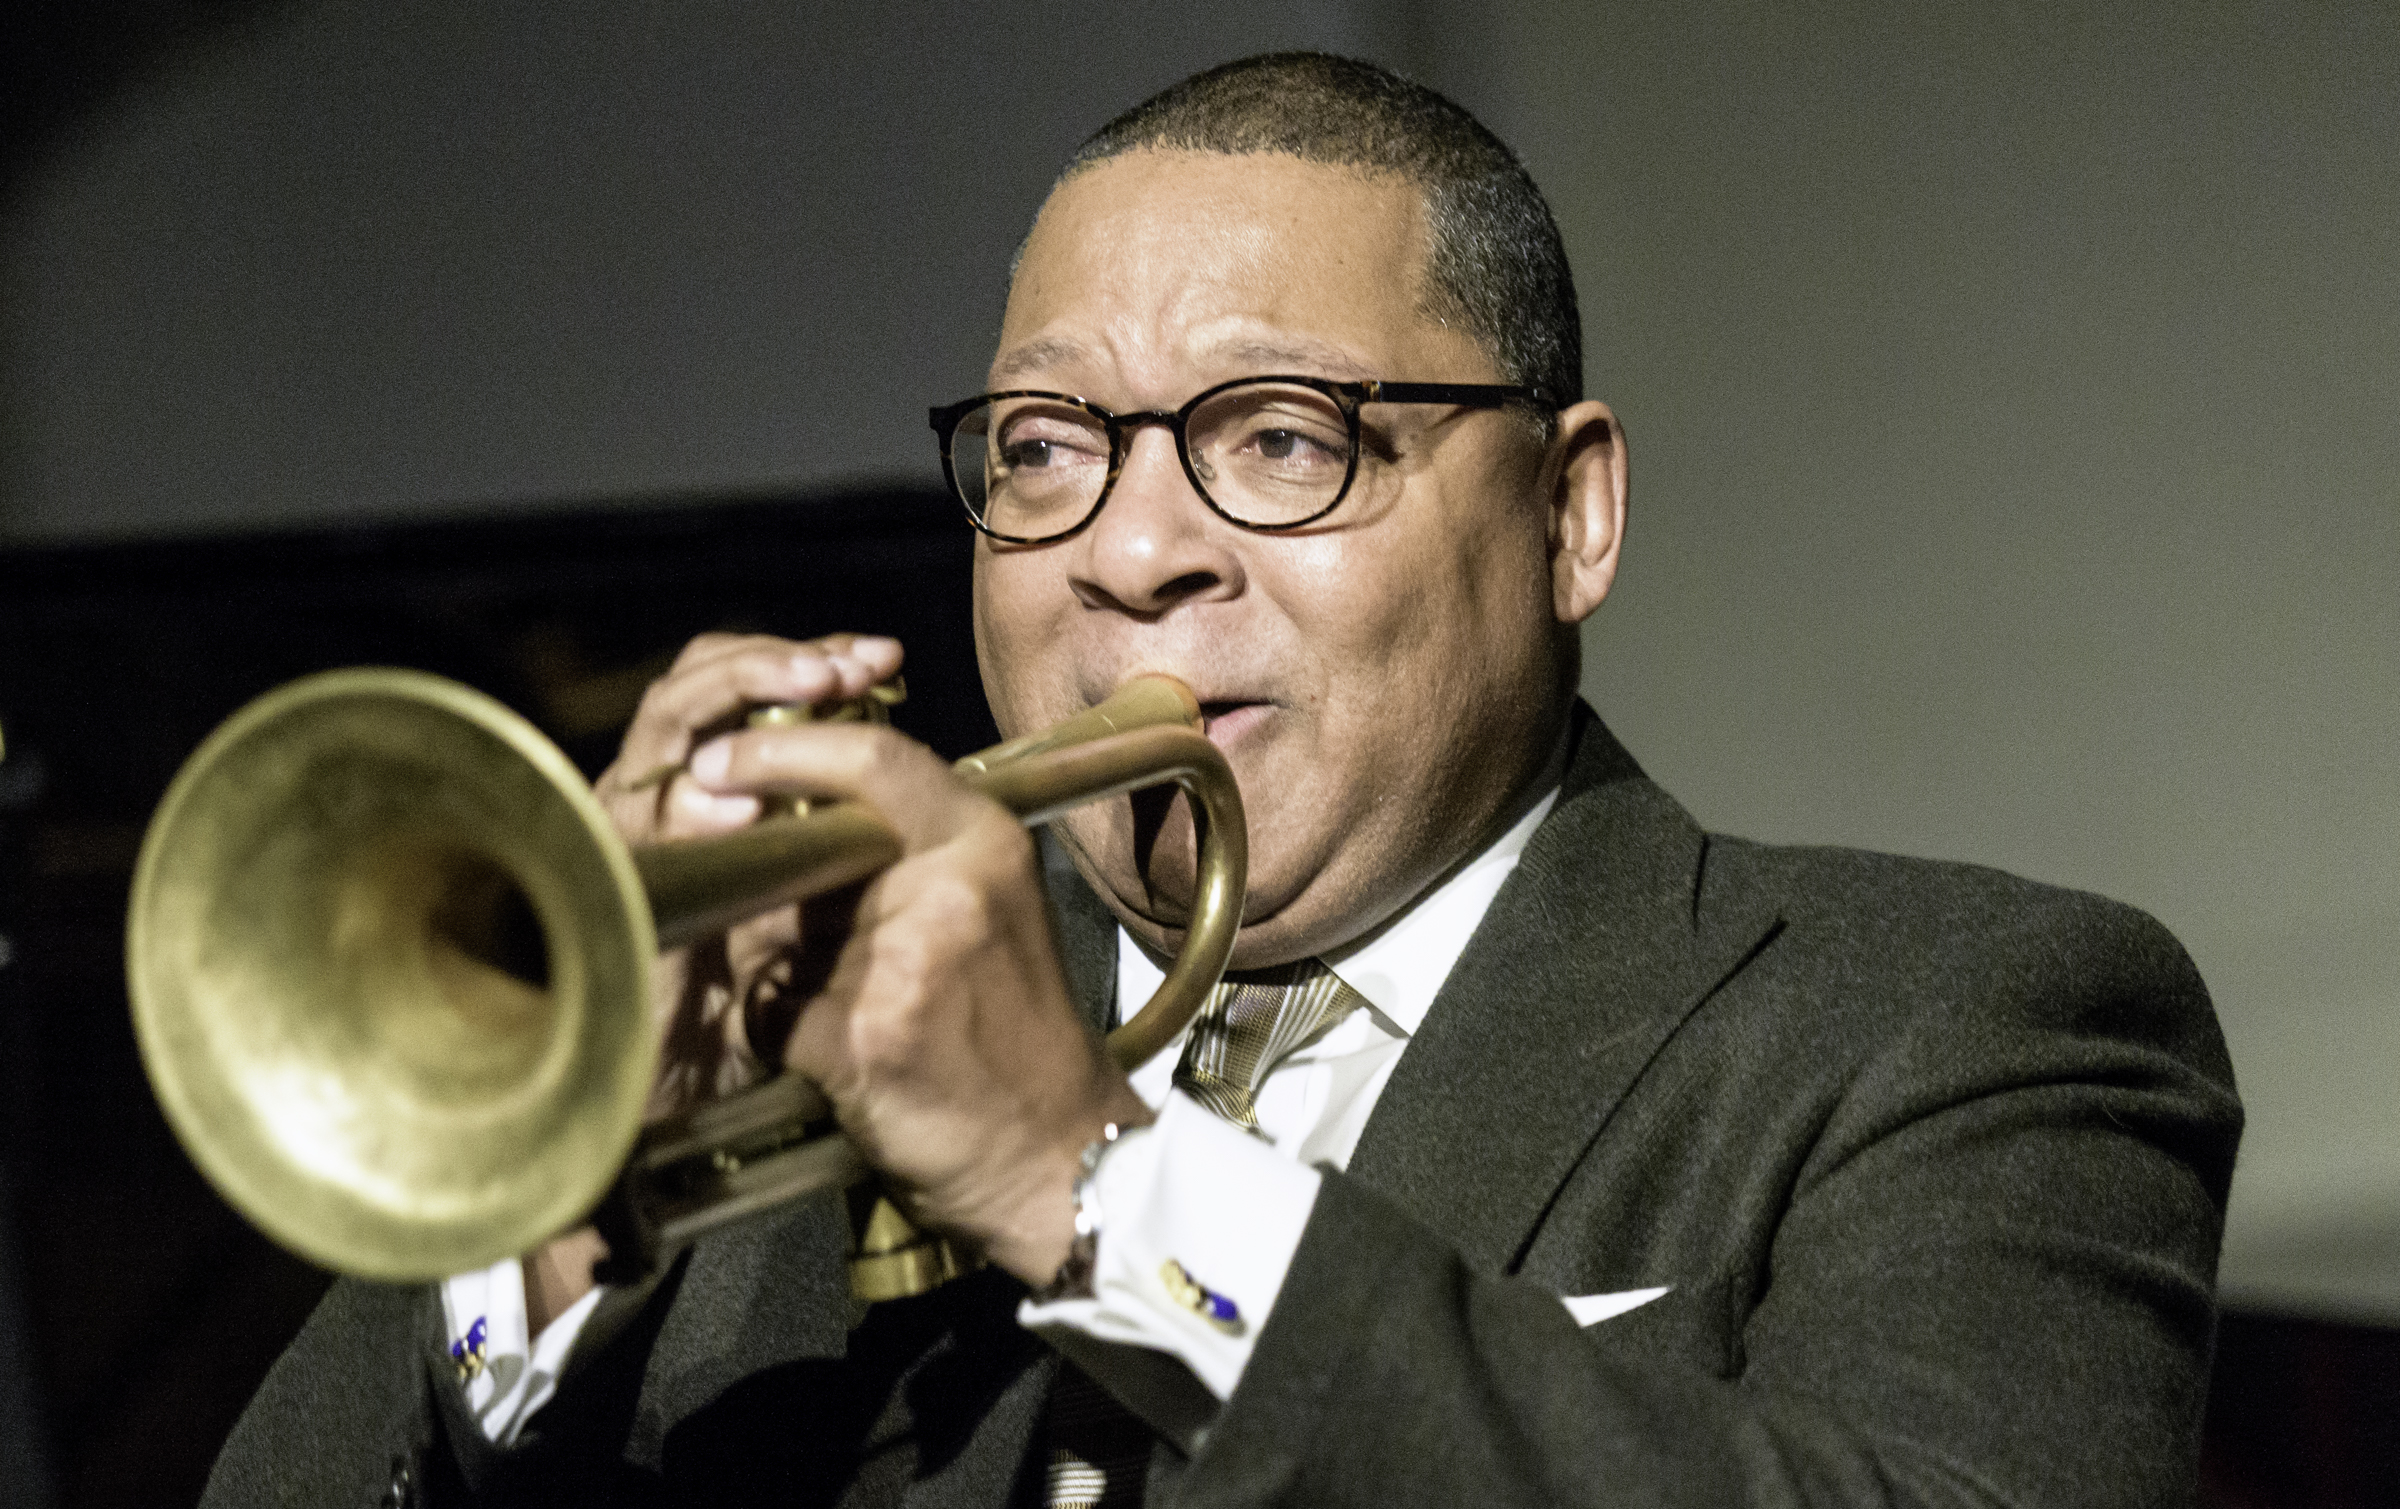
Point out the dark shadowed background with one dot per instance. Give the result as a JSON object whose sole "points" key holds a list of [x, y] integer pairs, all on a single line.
{"points": [[2011, 391]]}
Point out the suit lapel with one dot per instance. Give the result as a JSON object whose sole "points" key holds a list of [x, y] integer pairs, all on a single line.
{"points": [[1593, 952]]}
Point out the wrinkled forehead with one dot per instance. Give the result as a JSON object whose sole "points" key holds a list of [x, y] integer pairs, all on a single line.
{"points": [[1158, 256]]}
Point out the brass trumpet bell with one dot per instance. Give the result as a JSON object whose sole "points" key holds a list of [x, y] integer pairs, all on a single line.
{"points": [[390, 965]]}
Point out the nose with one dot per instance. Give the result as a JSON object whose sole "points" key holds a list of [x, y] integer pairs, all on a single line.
{"points": [[1155, 544]]}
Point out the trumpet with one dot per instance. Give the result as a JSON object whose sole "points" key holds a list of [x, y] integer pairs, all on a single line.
{"points": [[391, 971]]}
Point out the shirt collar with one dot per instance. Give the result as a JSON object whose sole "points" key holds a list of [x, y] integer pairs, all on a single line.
{"points": [[1400, 965]]}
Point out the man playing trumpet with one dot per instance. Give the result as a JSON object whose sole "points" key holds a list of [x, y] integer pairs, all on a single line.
{"points": [[1542, 1147]]}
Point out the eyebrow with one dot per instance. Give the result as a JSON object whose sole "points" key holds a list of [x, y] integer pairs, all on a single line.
{"points": [[1307, 357], [1032, 357]]}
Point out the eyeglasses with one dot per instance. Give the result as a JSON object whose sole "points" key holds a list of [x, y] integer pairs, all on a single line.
{"points": [[1267, 453]]}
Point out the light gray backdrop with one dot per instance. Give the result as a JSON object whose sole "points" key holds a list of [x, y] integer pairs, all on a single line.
{"points": [[2011, 389]]}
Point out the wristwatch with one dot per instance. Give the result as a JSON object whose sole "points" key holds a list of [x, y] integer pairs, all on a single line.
{"points": [[1074, 1277]]}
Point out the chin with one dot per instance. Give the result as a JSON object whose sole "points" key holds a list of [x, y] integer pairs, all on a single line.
{"points": [[1157, 911], [1284, 920], [1268, 945], [1261, 945]]}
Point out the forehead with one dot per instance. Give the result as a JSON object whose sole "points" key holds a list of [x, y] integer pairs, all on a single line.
{"points": [[1158, 269]]}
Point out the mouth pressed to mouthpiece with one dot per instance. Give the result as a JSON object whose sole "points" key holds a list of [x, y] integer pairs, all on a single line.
{"points": [[1226, 722]]}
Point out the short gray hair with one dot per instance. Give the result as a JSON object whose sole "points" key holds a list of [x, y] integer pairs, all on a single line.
{"points": [[1495, 263]]}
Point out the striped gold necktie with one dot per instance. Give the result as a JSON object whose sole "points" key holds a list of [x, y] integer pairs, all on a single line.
{"points": [[1250, 1025], [1099, 1452]]}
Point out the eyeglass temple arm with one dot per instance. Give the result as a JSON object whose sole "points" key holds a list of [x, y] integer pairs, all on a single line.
{"points": [[1481, 394]]}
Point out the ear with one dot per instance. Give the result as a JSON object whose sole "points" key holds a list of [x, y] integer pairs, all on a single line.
{"points": [[1589, 489]]}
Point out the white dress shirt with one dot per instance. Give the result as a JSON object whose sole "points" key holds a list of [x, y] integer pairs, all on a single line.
{"points": [[510, 1376], [1228, 1206], [1191, 1188]]}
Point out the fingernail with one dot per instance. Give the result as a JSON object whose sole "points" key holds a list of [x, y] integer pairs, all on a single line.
{"points": [[732, 810], [875, 645], [810, 669], [710, 762]]}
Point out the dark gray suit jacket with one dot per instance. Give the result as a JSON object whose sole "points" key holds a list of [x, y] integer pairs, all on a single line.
{"points": [[1934, 1159]]}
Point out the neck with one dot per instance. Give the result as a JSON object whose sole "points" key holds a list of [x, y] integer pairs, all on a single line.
{"points": [[1529, 793]]}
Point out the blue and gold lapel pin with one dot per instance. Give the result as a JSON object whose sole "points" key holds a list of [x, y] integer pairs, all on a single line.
{"points": [[467, 1352], [1218, 1310]]}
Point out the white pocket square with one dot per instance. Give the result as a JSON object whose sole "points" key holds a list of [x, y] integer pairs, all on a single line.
{"points": [[1591, 1309]]}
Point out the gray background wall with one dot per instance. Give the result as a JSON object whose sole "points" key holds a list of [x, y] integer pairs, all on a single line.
{"points": [[2010, 388]]}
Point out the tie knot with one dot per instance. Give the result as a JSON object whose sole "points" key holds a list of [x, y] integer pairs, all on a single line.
{"points": [[1251, 1022]]}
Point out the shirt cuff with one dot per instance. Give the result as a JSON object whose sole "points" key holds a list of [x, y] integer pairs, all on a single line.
{"points": [[1194, 1193], [506, 1376]]}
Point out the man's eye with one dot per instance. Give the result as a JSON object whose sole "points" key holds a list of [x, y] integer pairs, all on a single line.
{"points": [[1043, 445], [1023, 454], [1293, 448]]}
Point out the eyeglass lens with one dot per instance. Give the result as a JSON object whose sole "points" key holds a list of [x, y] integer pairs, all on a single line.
{"points": [[1267, 454]]}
